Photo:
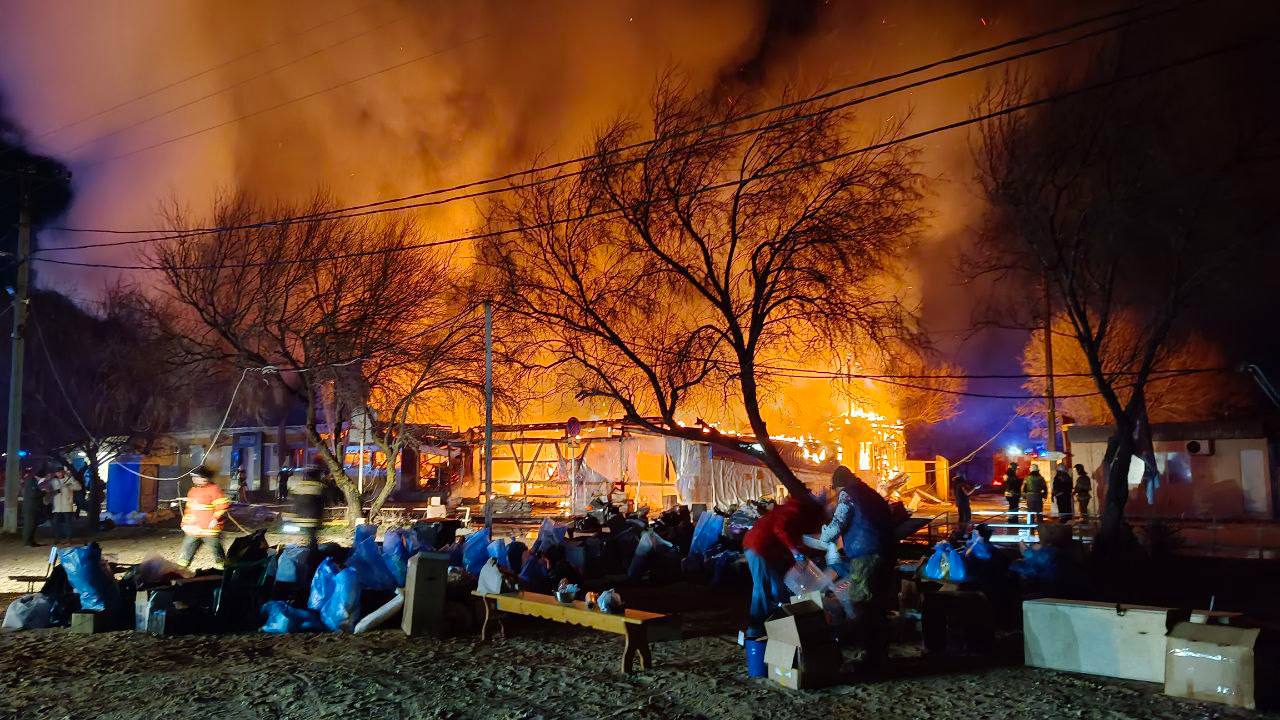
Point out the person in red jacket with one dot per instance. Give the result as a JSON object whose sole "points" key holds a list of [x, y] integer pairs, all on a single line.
{"points": [[772, 545], [202, 516]]}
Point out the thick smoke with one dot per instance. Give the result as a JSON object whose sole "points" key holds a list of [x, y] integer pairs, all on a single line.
{"points": [[504, 83]]}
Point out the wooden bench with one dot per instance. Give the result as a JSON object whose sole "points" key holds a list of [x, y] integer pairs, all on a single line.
{"points": [[634, 625], [30, 580]]}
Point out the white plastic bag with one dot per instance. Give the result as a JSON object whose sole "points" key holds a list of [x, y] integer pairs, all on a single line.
{"points": [[490, 582], [805, 577], [28, 613]]}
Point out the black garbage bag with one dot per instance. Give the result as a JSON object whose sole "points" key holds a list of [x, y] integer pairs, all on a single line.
{"points": [[248, 548], [62, 598]]}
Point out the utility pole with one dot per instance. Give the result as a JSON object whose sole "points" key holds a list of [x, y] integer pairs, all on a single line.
{"points": [[488, 417], [13, 460], [1051, 442]]}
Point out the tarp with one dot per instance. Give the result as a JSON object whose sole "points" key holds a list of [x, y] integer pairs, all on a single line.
{"points": [[701, 477]]}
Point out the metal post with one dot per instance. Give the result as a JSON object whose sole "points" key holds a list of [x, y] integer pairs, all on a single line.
{"points": [[360, 471], [488, 416], [13, 464], [1051, 440]]}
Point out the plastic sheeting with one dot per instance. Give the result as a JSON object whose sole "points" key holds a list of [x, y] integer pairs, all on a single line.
{"points": [[703, 478]]}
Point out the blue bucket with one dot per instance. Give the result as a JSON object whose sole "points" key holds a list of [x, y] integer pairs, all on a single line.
{"points": [[755, 658]]}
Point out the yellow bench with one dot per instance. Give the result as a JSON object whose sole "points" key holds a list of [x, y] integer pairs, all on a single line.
{"points": [[634, 625]]}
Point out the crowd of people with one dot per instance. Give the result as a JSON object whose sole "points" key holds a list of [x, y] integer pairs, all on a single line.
{"points": [[1033, 489]]}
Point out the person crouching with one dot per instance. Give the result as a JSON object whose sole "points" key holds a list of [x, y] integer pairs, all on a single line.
{"points": [[202, 518]]}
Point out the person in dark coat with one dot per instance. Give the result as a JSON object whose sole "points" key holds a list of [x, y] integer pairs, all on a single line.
{"points": [[1084, 490], [32, 499], [863, 522], [1013, 491], [961, 489], [1036, 489], [1062, 492]]}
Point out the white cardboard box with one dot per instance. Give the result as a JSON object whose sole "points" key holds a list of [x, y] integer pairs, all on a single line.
{"points": [[1097, 639]]}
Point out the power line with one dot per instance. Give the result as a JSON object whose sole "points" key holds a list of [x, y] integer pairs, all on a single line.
{"points": [[285, 103], [44, 345], [193, 76], [731, 121], [710, 188], [228, 88]]}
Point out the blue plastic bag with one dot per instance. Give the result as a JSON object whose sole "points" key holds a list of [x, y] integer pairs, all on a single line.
{"points": [[936, 567], [956, 571], [706, 533], [367, 562], [284, 618], [534, 576], [475, 551], [322, 584], [291, 562], [342, 609], [396, 552], [89, 578], [498, 551], [455, 553], [549, 533], [365, 531], [979, 549]]}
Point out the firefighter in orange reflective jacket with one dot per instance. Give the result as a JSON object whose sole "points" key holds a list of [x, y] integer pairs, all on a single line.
{"points": [[202, 518]]}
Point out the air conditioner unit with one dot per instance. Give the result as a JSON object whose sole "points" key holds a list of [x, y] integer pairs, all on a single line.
{"points": [[1199, 447]]}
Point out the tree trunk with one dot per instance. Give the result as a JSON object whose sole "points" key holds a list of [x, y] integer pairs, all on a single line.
{"points": [[350, 493], [95, 491], [391, 453], [772, 457], [1117, 472]]}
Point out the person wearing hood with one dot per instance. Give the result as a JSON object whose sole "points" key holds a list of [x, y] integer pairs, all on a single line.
{"points": [[771, 546], [863, 522]]}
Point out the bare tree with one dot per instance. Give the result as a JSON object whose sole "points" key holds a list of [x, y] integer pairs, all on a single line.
{"points": [[438, 365], [312, 304], [98, 386], [1124, 220], [683, 267], [1171, 396]]}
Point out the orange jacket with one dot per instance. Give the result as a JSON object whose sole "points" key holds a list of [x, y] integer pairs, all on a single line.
{"points": [[206, 505]]}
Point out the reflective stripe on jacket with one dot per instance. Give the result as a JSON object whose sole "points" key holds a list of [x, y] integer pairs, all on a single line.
{"points": [[205, 507]]}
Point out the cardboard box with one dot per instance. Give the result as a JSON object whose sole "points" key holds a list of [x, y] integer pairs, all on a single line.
{"points": [[798, 623], [1230, 665], [800, 652], [1098, 638], [88, 623]]}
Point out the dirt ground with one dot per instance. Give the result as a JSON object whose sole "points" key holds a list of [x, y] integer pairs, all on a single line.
{"points": [[541, 670]]}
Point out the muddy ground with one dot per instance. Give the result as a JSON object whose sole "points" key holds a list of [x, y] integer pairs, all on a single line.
{"points": [[541, 670]]}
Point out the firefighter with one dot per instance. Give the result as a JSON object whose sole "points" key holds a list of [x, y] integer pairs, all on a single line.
{"points": [[308, 504], [1062, 487], [1013, 491], [202, 518], [1036, 489]]}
